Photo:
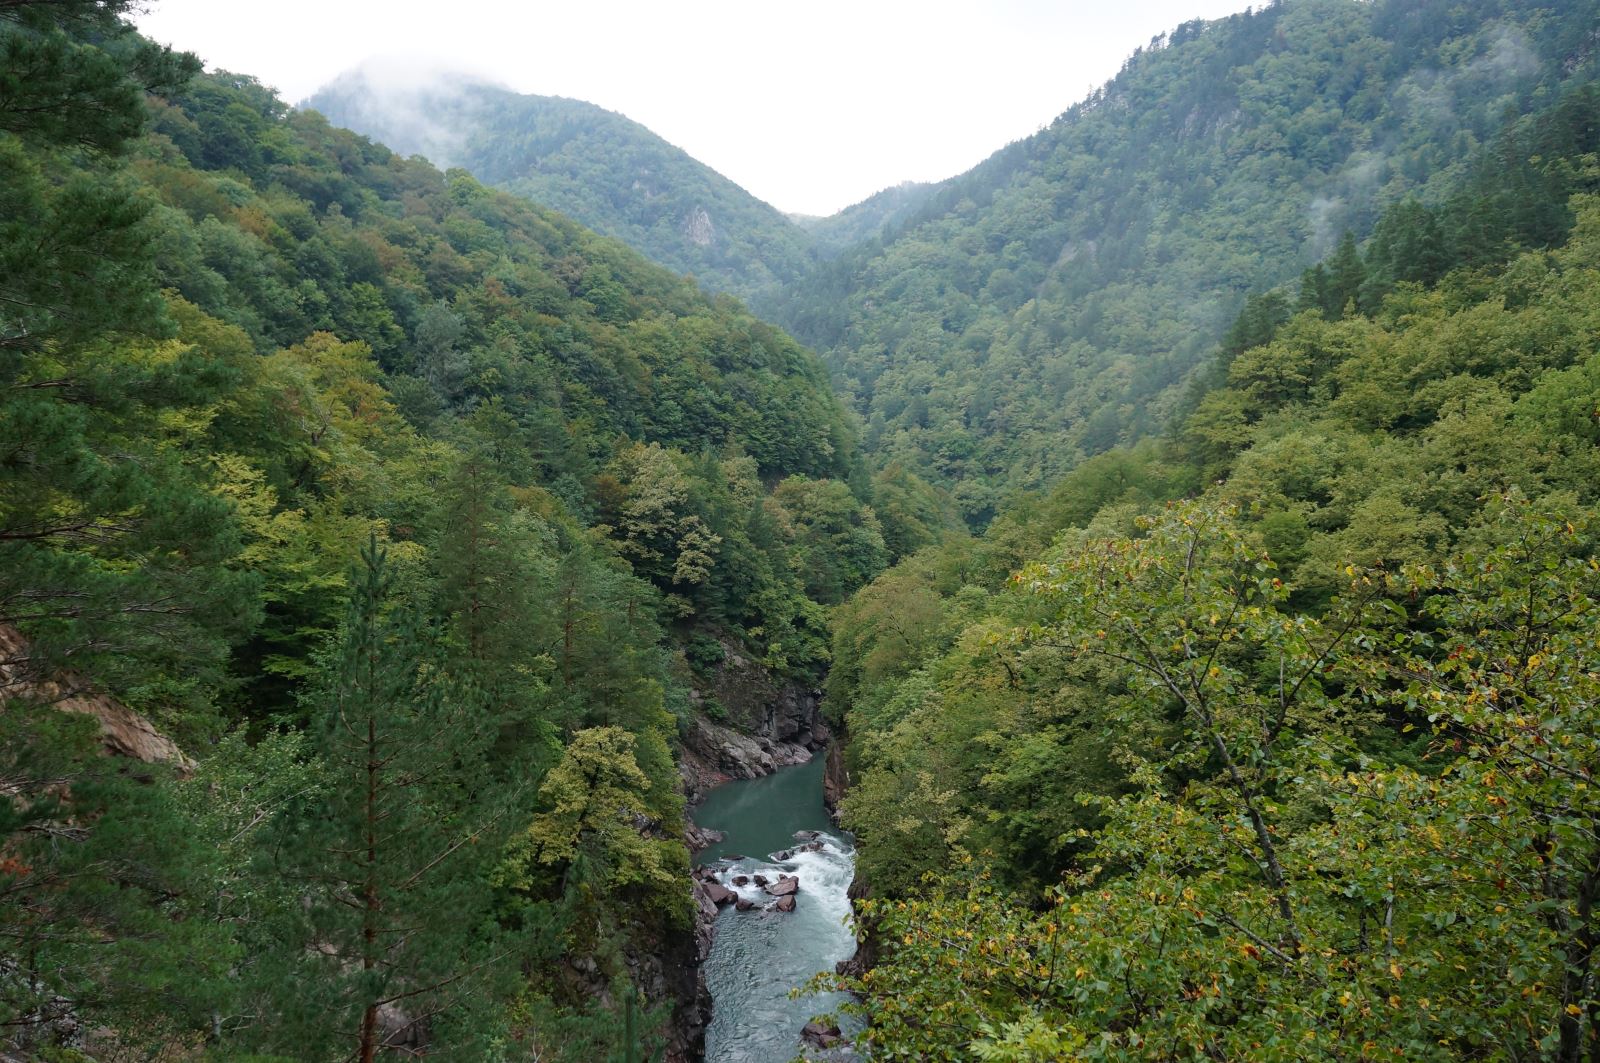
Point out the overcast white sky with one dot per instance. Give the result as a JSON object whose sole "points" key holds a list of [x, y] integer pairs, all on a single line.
{"points": [[811, 106]]}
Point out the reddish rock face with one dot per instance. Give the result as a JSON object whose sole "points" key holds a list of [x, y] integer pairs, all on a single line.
{"points": [[785, 904], [123, 732], [785, 887]]}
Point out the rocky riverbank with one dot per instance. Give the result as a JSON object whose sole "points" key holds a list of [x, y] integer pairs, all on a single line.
{"points": [[764, 725], [835, 783]]}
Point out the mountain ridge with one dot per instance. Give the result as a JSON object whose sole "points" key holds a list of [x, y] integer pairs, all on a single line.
{"points": [[593, 164]]}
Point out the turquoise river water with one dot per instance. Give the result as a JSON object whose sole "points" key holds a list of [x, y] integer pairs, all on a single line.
{"points": [[759, 956]]}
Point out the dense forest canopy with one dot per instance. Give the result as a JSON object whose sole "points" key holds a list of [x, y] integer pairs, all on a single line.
{"points": [[594, 165], [1279, 736], [1053, 301], [1208, 605], [391, 499]]}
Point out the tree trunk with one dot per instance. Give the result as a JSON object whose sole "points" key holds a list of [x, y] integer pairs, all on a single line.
{"points": [[370, 901]]}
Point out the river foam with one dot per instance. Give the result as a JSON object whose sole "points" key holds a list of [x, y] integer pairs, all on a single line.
{"points": [[761, 955]]}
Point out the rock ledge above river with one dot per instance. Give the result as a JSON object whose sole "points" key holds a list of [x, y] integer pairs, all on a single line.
{"points": [[713, 754]]}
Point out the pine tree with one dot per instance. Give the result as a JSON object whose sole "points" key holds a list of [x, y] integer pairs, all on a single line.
{"points": [[396, 946], [1345, 276], [494, 586], [101, 891]]}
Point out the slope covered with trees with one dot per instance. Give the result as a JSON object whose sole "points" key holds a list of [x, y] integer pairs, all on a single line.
{"points": [[392, 499], [1273, 737], [1052, 302], [594, 165]]}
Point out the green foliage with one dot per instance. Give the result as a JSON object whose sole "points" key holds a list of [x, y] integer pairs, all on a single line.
{"points": [[584, 835], [1267, 891], [104, 891], [391, 856], [594, 165], [1056, 300], [233, 354]]}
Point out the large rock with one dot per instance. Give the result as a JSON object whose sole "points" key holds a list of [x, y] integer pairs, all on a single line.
{"points": [[784, 904], [821, 1035], [719, 893], [768, 725], [787, 885], [698, 838], [866, 954], [714, 754], [123, 732]]}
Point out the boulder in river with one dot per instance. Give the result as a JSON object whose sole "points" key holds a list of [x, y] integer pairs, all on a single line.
{"points": [[786, 886], [759, 880], [822, 1035], [784, 904], [720, 894], [807, 835], [697, 838], [741, 880], [780, 857], [743, 905]]}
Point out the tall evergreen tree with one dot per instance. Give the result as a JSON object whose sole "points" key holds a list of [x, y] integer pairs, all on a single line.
{"points": [[396, 947]]}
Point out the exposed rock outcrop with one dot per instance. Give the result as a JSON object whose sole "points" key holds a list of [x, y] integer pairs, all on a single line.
{"points": [[835, 781], [123, 732], [764, 725], [698, 229], [684, 980], [713, 754], [866, 933], [697, 838], [821, 1035], [835, 778]]}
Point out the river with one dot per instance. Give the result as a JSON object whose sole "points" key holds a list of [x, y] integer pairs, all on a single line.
{"points": [[759, 956]]}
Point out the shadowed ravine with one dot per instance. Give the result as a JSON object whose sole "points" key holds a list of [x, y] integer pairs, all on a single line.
{"points": [[759, 956]]}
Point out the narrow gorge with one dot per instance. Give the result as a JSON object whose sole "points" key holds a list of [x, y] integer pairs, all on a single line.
{"points": [[773, 937]]}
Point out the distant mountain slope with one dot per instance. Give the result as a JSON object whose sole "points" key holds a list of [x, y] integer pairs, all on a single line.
{"points": [[1052, 301], [836, 233], [597, 166]]}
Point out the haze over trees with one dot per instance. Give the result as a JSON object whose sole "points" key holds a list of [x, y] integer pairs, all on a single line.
{"points": [[1053, 301], [1207, 594], [593, 165]]}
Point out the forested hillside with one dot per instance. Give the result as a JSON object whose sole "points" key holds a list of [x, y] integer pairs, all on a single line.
{"points": [[367, 512], [1207, 620], [837, 233], [1052, 302], [594, 165], [1273, 737]]}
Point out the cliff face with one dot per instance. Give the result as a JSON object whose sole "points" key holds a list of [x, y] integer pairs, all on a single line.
{"points": [[835, 777], [765, 725], [123, 732]]}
